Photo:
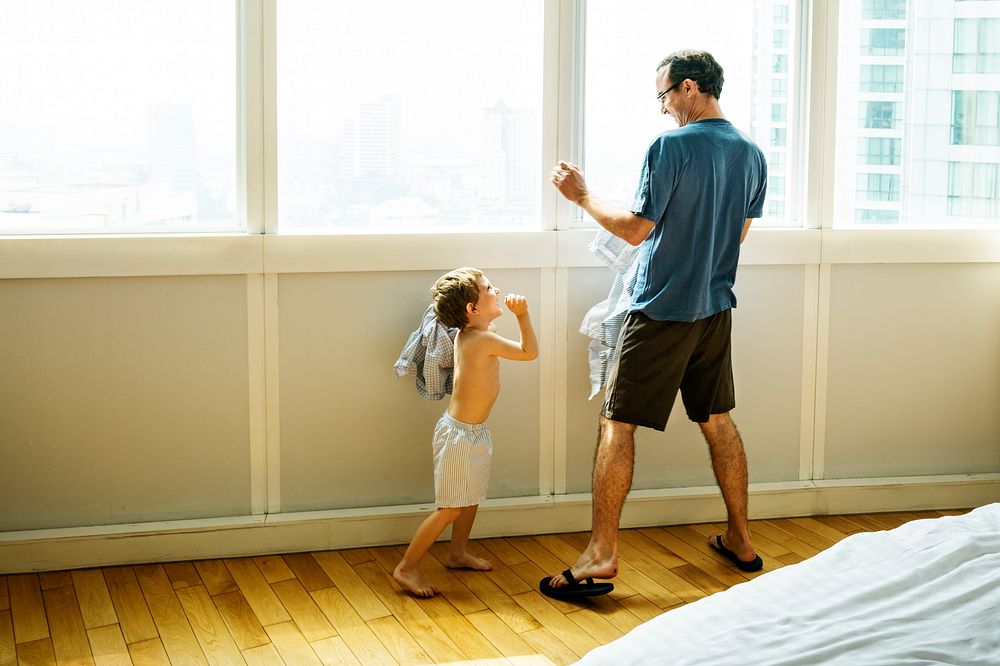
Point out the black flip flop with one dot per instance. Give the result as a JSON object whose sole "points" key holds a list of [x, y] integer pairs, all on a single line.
{"points": [[574, 589], [756, 564]]}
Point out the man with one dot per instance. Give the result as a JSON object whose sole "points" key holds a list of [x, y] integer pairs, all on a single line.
{"points": [[700, 187]]}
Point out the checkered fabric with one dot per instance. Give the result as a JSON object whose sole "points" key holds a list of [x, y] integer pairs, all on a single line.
{"points": [[603, 322], [429, 354]]}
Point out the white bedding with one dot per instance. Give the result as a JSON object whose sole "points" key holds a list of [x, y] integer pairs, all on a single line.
{"points": [[927, 592]]}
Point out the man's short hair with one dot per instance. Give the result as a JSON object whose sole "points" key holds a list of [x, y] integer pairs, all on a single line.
{"points": [[452, 292], [699, 66]]}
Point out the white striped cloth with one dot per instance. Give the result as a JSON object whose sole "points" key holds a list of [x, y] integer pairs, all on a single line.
{"points": [[603, 322], [462, 456], [429, 355]]}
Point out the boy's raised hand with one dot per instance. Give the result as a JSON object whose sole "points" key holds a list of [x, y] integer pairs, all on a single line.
{"points": [[517, 304]]}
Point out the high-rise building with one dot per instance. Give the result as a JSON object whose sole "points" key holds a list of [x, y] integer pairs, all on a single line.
{"points": [[508, 159], [918, 112]]}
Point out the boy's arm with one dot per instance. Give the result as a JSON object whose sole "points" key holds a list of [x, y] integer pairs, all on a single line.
{"points": [[524, 350]]}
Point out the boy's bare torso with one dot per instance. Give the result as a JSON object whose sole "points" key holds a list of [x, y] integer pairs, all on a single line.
{"points": [[477, 377]]}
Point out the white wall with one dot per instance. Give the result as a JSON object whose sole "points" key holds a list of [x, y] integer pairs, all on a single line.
{"points": [[230, 395]]}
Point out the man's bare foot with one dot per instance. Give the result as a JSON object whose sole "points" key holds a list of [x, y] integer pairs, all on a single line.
{"points": [[413, 582], [468, 561], [587, 567]]}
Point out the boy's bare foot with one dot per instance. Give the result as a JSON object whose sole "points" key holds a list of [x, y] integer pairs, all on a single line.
{"points": [[413, 582], [468, 561]]}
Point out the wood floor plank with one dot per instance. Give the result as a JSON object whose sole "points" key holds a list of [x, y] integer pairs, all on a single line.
{"points": [[257, 592], [595, 626], [27, 608], [308, 571], [334, 650], [303, 610], [406, 609], [356, 555], [8, 651], [243, 625], [36, 653], [215, 576], [791, 543], [450, 585], [107, 644], [804, 535], [69, 635], [642, 608], [500, 634], [50, 580], [94, 599], [830, 534], [457, 627], [175, 631], [209, 626], [150, 653], [398, 641], [504, 551], [842, 524], [364, 601], [264, 655], [641, 554], [637, 542], [293, 648], [616, 614], [507, 579], [498, 601], [4, 595], [274, 568], [546, 643], [701, 580], [697, 556], [351, 627], [555, 621], [130, 606], [697, 535], [182, 574]]}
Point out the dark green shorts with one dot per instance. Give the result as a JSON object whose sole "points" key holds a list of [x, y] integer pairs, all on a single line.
{"points": [[656, 358]]}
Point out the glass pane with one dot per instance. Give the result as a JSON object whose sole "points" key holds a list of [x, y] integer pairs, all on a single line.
{"points": [[118, 117], [403, 115], [917, 122], [622, 115]]}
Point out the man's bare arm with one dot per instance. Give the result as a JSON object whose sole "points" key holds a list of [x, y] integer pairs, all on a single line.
{"points": [[624, 224], [746, 229]]}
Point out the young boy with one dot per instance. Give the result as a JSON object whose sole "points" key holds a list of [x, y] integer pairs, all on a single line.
{"points": [[465, 299]]}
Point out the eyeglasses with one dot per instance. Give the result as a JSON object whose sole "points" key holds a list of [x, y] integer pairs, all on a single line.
{"points": [[659, 98]]}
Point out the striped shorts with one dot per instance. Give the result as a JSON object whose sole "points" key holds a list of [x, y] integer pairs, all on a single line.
{"points": [[462, 455]]}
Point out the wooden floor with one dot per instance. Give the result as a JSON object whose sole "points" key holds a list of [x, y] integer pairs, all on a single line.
{"points": [[342, 606]]}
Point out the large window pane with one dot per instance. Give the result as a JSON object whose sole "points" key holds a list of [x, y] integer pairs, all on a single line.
{"points": [[118, 116], [626, 40], [402, 115], [918, 131]]}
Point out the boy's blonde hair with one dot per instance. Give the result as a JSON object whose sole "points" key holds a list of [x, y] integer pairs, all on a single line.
{"points": [[452, 292]]}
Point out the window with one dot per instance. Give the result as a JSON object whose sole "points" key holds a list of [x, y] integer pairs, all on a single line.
{"points": [[779, 87], [779, 112], [382, 126], [778, 136], [917, 116], [883, 41], [878, 187], [975, 118], [119, 119], [779, 39], [877, 216], [775, 208], [974, 189], [779, 63], [621, 115], [977, 46], [879, 150], [884, 9], [781, 14], [881, 78], [776, 185], [880, 115], [775, 161]]}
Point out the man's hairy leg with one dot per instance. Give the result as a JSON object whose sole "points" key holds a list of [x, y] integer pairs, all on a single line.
{"points": [[612, 479], [729, 463]]}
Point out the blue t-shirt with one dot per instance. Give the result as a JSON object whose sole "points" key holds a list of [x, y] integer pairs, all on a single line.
{"points": [[699, 183]]}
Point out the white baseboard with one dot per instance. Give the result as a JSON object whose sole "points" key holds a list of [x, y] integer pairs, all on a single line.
{"points": [[72, 548]]}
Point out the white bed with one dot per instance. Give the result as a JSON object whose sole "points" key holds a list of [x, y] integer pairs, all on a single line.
{"points": [[927, 592]]}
